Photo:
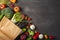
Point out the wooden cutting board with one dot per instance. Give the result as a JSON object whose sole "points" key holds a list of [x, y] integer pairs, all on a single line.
{"points": [[9, 28], [3, 36]]}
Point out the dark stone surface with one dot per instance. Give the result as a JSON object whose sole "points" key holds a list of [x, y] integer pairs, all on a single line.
{"points": [[44, 14]]}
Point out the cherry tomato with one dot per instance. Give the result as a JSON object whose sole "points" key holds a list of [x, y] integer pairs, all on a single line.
{"points": [[29, 19], [23, 16]]}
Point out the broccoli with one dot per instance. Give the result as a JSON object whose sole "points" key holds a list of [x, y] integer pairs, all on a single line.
{"points": [[7, 12]]}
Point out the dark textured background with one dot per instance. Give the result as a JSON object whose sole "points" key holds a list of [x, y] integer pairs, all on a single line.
{"points": [[45, 15]]}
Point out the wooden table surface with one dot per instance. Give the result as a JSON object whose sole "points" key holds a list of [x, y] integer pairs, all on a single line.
{"points": [[44, 14]]}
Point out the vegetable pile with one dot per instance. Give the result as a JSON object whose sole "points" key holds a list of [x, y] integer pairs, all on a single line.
{"points": [[14, 13]]}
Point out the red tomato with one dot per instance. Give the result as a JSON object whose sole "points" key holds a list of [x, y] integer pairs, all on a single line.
{"points": [[2, 6], [23, 16], [29, 19], [34, 37], [37, 33]]}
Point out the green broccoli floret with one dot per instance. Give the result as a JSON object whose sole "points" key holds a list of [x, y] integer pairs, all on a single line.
{"points": [[7, 12]]}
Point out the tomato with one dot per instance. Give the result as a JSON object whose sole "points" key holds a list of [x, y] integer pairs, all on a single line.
{"points": [[23, 16], [2, 6], [29, 19]]}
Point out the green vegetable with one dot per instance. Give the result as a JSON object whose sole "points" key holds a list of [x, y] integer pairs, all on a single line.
{"points": [[7, 12], [4, 1], [17, 17], [1, 16], [24, 29], [31, 32], [29, 38]]}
